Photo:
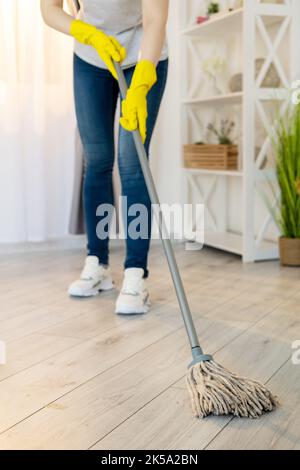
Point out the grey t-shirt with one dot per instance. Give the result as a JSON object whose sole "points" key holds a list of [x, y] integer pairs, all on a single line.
{"points": [[119, 18]]}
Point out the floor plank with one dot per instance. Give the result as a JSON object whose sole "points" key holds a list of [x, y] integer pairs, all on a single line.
{"points": [[278, 431], [257, 353], [91, 379], [96, 407], [32, 349]]}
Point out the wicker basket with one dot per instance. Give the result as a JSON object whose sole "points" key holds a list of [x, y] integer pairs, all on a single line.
{"points": [[211, 157]]}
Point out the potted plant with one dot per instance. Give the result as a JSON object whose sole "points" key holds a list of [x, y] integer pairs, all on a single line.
{"points": [[223, 135], [213, 8], [286, 143]]}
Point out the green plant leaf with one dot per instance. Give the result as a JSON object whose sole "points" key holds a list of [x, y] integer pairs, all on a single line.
{"points": [[286, 144]]}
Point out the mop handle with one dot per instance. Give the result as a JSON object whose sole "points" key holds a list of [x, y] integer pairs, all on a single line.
{"points": [[167, 245]]}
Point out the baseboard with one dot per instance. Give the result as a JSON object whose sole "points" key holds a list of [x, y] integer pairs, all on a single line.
{"points": [[71, 242], [65, 243]]}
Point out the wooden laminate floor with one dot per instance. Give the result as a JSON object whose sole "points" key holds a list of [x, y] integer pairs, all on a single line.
{"points": [[79, 377]]}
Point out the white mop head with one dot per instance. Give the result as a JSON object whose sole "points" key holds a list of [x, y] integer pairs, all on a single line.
{"points": [[217, 391]]}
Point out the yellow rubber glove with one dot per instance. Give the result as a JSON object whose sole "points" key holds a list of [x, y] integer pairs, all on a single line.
{"points": [[108, 47], [134, 107]]}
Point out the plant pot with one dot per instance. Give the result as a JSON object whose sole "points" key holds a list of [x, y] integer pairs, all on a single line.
{"points": [[289, 251]]}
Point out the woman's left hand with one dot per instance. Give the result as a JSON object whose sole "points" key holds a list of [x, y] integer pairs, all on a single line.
{"points": [[134, 107]]}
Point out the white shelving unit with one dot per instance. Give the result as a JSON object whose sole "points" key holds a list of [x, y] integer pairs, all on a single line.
{"points": [[254, 20]]}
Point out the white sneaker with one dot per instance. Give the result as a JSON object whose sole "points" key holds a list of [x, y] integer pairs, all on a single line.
{"points": [[93, 279], [134, 297]]}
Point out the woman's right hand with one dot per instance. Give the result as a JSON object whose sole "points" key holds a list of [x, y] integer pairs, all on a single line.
{"points": [[108, 47]]}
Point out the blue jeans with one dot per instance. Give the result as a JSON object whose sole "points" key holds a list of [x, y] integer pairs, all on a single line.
{"points": [[96, 94]]}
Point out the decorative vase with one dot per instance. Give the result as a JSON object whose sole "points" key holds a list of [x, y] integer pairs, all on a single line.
{"points": [[289, 251], [271, 79], [215, 84], [236, 83]]}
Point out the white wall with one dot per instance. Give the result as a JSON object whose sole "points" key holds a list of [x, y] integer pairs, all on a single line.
{"points": [[36, 125], [166, 144]]}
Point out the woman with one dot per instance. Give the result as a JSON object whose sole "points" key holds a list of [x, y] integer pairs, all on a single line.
{"points": [[131, 32]]}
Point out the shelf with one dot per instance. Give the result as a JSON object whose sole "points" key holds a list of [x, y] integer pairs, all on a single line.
{"points": [[222, 24], [233, 243], [226, 241], [203, 171], [247, 34], [264, 94], [272, 94], [232, 23], [229, 98]]}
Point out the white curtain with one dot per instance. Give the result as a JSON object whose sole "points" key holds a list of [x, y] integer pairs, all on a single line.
{"points": [[37, 125]]}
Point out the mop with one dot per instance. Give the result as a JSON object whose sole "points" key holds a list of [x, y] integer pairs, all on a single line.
{"points": [[212, 388]]}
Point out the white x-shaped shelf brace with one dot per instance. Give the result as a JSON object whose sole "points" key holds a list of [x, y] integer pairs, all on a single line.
{"points": [[272, 57], [204, 196]]}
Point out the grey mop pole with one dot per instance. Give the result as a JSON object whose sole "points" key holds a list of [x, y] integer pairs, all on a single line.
{"points": [[197, 352]]}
